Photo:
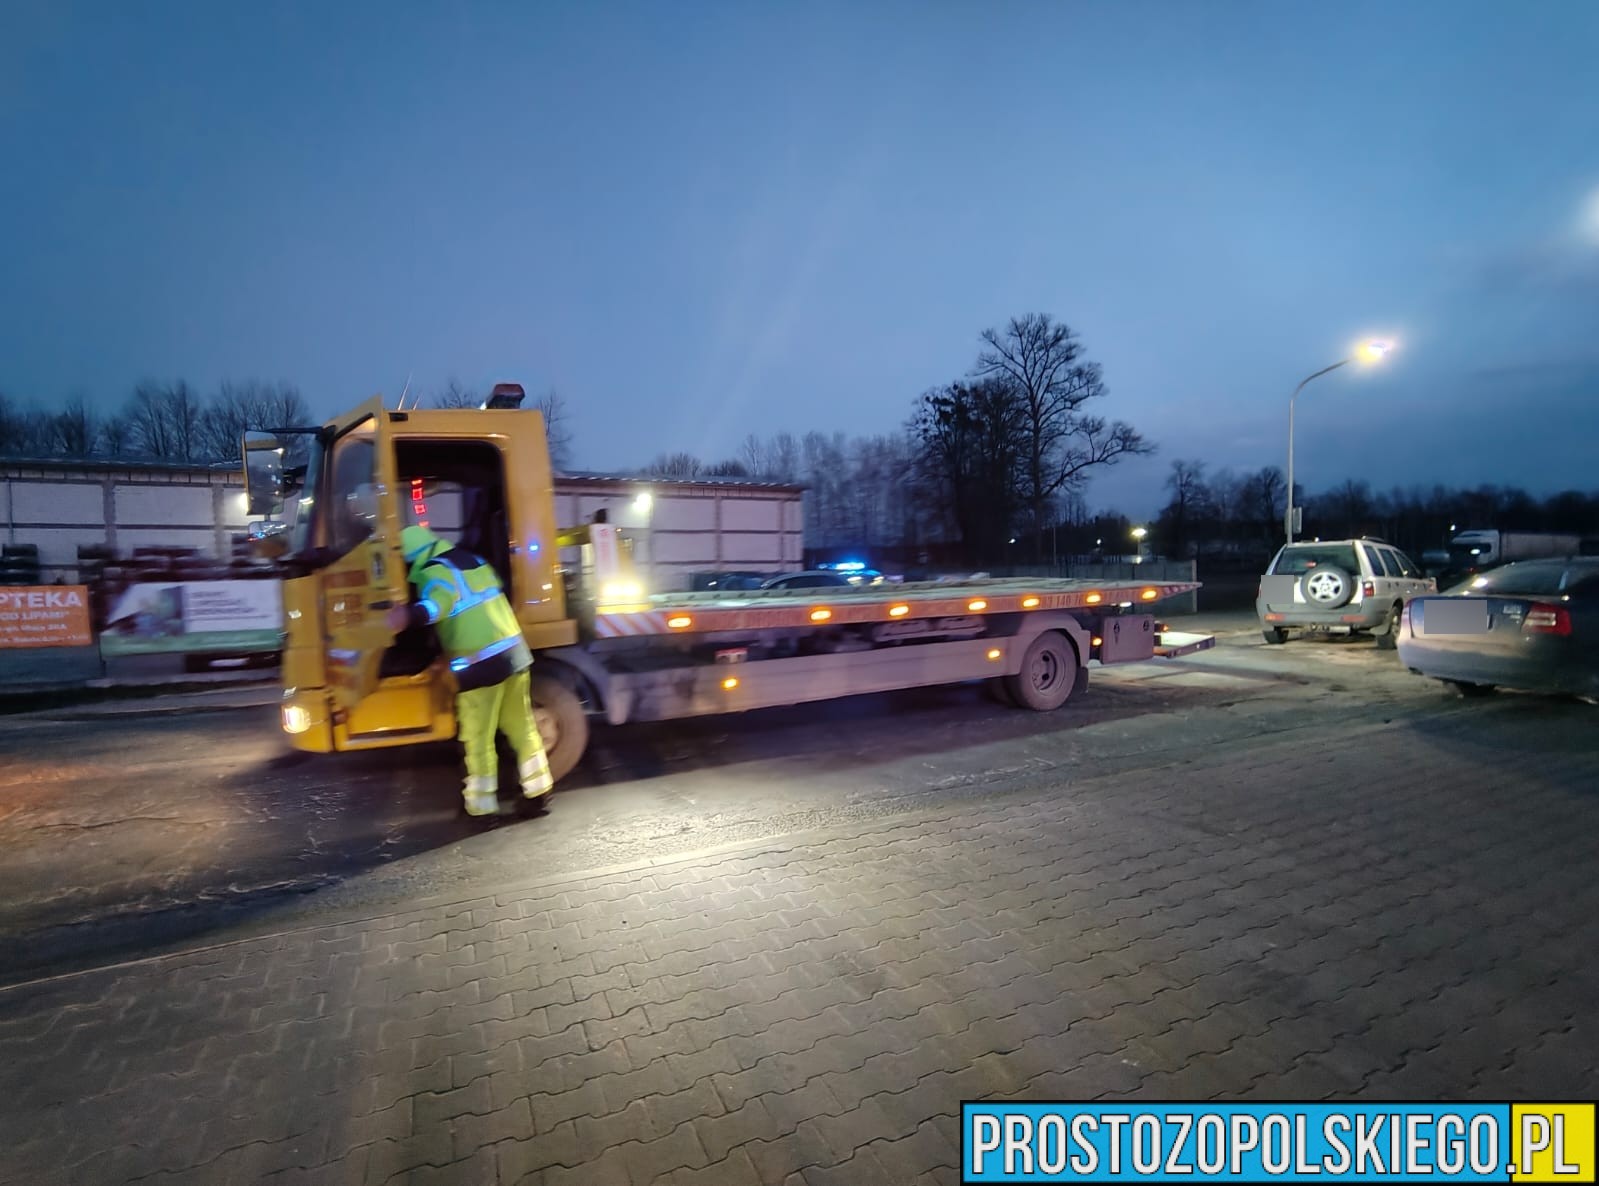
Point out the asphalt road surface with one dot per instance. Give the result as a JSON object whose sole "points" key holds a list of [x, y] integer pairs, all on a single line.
{"points": [[160, 823], [780, 949]]}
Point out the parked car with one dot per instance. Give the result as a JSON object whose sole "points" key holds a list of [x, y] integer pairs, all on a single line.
{"points": [[1342, 586], [813, 579], [1532, 626]]}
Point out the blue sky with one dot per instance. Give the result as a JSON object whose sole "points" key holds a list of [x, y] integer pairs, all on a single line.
{"points": [[700, 221]]}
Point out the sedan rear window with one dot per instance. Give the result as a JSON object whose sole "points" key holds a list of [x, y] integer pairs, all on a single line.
{"points": [[1297, 561], [1529, 579]]}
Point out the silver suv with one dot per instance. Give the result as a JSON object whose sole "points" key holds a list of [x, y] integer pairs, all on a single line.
{"points": [[1339, 587]]}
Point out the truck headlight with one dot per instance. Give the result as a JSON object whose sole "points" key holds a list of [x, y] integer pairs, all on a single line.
{"points": [[295, 719]]}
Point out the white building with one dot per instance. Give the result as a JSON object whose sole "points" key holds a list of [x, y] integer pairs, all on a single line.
{"points": [[54, 508], [683, 528]]}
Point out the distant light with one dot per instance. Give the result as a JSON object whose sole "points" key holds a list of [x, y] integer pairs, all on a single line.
{"points": [[1140, 532], [643, 502], [1013, 539]]}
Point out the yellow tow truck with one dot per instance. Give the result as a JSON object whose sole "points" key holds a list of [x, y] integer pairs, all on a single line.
{"points": [[605, 648]]}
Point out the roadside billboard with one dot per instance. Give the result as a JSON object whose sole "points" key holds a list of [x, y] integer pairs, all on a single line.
{"points": [[210, 617], [45, 616]]}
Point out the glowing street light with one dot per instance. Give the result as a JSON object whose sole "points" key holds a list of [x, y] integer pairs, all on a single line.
{"points": [[1370, 353], [1138, 534]]}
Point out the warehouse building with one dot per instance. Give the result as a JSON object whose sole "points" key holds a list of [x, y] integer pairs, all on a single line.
{"points": [[73, 522]]}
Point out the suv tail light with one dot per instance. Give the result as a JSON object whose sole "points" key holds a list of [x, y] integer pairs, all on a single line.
{"points": [[1368, 588], [1546, 619]]}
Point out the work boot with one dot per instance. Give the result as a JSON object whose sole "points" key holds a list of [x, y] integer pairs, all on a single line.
{"points": [[481, 795], [536, 778]]}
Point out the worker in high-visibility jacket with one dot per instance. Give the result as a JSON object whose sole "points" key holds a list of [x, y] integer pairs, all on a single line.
{"points": [[459, 594]]}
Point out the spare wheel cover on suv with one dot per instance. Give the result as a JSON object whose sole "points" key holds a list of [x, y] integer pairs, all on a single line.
{"points": [[1327, 587]]}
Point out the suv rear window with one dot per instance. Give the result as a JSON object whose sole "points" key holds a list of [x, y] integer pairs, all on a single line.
{"points": [[1301, 558]]}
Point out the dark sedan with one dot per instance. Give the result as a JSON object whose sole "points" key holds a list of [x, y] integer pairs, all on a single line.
{"points": [[1532, 626]]}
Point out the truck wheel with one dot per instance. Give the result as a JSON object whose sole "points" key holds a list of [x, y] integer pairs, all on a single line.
{"points": [[997, 691], [563, 724], [1275, 635], [1050, 674], [1388, 636]]}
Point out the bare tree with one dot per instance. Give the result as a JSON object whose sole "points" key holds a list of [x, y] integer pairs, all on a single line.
{"points": [[1264, 496], [969, 438], [115, 436], [1187, 485], [679, 467], [74, 431], [24, 431], [165, 421], [557, 429], [1041, 360], [1349, 504], [453, 395], [731, 468], [252, 406]]}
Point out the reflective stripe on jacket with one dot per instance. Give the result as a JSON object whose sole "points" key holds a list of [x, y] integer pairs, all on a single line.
{"points": [[460, 595]]}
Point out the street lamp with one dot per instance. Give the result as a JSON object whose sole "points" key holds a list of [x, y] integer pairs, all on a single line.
{"points": [[1138, 534], [644, 504], [1367, 352]]}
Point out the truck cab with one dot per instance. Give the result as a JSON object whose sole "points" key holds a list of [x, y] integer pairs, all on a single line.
{"points": [[478, 477]]}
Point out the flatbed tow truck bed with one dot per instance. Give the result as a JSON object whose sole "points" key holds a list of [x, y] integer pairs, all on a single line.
{"points": [[785, 609], [688, 654]]}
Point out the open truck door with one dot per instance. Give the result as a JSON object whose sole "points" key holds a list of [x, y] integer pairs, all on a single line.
{"points": [[365, 576]]}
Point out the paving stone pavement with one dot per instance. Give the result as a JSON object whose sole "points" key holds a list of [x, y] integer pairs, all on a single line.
{"points": [[1404, 912]]}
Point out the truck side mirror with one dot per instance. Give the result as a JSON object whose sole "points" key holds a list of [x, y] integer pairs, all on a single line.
{"points": [[263, 474]]}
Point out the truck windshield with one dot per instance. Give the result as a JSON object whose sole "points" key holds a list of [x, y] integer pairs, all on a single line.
{"points": [[302, 512], [1467, 555]]}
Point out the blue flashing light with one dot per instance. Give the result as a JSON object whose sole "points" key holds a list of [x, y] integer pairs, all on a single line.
{"points": [[847, 566]]}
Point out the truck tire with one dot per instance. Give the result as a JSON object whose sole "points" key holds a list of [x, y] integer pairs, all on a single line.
{"points": [[1050, 674], [997, 691], [563, 724], [1275, 635], [1327, 587]]}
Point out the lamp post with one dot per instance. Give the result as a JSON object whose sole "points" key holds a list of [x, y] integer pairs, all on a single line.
{"points": [[644, 504], [1138, 536], [1369, 352]]}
